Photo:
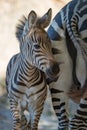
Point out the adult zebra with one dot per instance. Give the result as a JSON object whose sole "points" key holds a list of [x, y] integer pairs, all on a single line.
{"points": [[25, 79], [68, 32]]}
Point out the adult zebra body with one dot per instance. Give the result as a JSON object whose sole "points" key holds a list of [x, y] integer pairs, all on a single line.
{"points": [[25, 79], [68, 33]]}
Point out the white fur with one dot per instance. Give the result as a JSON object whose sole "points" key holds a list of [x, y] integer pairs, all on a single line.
{"points": [[81, 71], [65, 76], [58, 29]]}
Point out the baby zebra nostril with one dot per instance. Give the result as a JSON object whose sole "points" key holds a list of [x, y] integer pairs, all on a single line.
{"points": [[55, 68]]}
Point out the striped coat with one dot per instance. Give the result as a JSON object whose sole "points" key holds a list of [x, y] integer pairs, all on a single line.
{"points": [[27, 71], [68, 34]]}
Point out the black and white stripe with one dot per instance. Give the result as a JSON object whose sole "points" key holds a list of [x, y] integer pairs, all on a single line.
{"points": [[25, 79], [68, 33], [79, 121]]}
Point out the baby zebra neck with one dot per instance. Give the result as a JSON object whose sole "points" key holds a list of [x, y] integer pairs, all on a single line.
{"points": [[29, 75]]}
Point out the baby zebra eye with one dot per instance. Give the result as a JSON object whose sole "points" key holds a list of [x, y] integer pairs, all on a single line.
{"points": [[37, 46]]}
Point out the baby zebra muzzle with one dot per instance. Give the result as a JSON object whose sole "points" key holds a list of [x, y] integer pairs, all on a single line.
{"points": [[53, 70]]}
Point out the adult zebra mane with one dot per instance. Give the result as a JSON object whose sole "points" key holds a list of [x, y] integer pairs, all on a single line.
{"points": [[20, 27]]}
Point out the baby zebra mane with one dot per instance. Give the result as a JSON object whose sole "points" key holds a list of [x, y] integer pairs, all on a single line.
{"points": [[32, 21], [20, 27]]}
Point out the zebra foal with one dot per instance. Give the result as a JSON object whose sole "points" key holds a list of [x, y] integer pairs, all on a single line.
{"points": [[68, 33], [25, 78]]}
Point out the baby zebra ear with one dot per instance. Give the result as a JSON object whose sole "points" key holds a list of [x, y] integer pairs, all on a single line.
{"points": [[44, 21], [31, 18]]}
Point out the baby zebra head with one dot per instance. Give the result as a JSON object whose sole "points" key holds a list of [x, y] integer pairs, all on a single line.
{"points": [[35, 44]]}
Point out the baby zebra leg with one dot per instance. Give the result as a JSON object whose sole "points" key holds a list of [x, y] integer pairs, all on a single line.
{"points": [[24, 123], [36, 105], [15, 114], [35, 116]]}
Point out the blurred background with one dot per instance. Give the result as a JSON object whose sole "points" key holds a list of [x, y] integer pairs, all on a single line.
{"points": [[10, 12]]}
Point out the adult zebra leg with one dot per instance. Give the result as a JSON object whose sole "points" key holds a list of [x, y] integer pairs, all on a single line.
{"points": [[79, 121], [59, 101], [15, 114]]}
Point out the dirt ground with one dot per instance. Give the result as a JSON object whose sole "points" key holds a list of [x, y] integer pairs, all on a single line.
{"points": [[10, 12]]}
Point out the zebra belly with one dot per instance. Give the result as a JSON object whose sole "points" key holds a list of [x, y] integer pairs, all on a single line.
{"points": [[81, 69], [65, 75], [64, 81]]}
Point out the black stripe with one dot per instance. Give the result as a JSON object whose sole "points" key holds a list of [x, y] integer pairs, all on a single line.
{"points": [[21, 77], [62, 104], [56, 107], [73, 53], [53, 34], [83, 12], [56, 99], [80, 118], [83, 113], [53, 90], [23, 71], [41, 90], [83, 105], [84, 25], [15, 90], [85, 39], [40, 80], [56, 51], [63, 119], [21, 83], [63, 111], [58, 114]]}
